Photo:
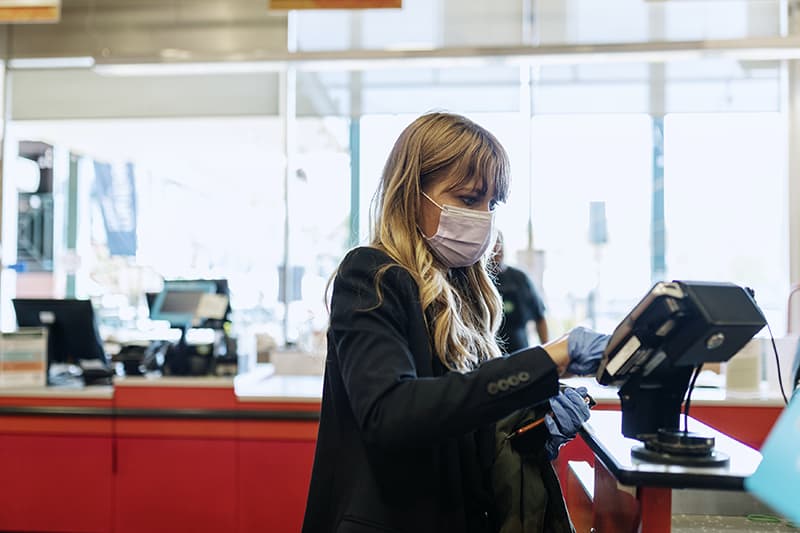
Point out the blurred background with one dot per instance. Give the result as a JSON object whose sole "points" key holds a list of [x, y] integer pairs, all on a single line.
{"points": [[148, 140]]}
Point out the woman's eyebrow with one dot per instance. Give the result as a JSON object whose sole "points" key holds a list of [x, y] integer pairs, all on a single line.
{"points": [[479, 189], [462, 187], [469, 187]]}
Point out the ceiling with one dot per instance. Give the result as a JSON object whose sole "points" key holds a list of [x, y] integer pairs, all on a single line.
{"points": [[154, 30]]}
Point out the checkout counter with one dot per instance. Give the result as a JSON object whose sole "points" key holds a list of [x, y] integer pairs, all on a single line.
{"points": [[164, 454], [218, 453], [183, 453], [230, 454]]}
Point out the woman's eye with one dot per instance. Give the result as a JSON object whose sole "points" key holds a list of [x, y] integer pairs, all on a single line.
{"points": [[492, 205], [468, 201]]}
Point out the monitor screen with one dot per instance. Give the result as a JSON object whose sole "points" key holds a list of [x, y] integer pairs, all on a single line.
{"points": [[72, 331], [179, 301]]}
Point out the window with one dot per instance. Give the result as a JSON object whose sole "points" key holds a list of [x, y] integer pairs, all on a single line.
{"points": [[577, 160], [725, 203]]}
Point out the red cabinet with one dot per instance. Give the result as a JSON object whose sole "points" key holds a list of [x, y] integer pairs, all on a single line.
{"points": [[155, 458], [55, 482], [175, 484], [273, 484], [175, 465]]}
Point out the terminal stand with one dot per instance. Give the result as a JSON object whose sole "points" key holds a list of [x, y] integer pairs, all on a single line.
{"points": [[177, 357], [651, 413]]}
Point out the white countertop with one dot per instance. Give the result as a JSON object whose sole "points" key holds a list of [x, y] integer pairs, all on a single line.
{"points": [[175, 381], [263, 384], [714, 396], [105, 392]]}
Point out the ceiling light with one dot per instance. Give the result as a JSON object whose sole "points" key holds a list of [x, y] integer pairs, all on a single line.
{"points": [[188, 69], [50, 62]]}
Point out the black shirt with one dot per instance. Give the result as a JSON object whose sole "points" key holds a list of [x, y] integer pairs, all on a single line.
{"points": [[521, 304]]}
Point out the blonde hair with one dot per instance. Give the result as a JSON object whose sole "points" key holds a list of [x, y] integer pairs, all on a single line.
{"points": [[461, 306]]}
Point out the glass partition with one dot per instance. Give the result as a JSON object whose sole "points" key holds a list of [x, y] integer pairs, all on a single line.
{"points": [[214, 199]]}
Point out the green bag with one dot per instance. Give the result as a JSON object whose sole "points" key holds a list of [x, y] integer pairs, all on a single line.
{"points": [[527, 493]]}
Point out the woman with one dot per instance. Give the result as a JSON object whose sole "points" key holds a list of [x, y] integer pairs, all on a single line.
{"points": [[414, 381]]}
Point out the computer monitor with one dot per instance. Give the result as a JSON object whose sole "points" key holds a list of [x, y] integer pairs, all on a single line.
{"points": [[72, 331], [667, 336], [179, 301], [186, 304]]}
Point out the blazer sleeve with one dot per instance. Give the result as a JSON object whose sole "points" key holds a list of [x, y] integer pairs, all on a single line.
{"points": [[392, 404]]}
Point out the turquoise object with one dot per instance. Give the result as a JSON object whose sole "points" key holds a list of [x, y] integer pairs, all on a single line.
{"points": [[776, 481]]}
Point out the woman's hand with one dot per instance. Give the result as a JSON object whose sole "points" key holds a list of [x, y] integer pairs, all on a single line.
{"points": [[585, 348], [558, 352], [569, 412]]}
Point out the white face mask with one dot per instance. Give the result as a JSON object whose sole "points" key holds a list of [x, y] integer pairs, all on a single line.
{"points": [[463, 235]]}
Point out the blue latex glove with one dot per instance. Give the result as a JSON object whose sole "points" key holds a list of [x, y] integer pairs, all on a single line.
{"points": [[569, 413], [585, 348]]}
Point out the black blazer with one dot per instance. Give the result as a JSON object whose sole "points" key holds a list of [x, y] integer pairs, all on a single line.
{"points": [[403, 444]]}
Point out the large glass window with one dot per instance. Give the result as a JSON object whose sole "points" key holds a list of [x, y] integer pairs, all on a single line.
{"points": [[592, 187], [725, 203], [378, 133], [214, 197], [209, 203], [319, 224]]}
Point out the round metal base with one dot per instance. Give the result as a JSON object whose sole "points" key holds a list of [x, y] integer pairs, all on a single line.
{"points": [[715, 458]]}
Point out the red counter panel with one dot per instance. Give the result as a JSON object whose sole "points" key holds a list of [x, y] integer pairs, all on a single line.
{"points": [[149, 397], [273, 484], [749, 425], [55, 482], [175, 484]]}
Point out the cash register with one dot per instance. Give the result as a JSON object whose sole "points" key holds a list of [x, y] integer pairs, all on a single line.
{"points": [[659, 347], [188, 304]]}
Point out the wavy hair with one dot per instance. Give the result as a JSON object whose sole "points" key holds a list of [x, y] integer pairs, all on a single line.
{"points": [[461, 306]]}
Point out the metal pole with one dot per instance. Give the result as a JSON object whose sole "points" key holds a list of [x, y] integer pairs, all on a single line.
{"points": [[792, 110], [288, 111], [526, 112], [657, 105], [355, 164], [6, 117], [527, 21], [7, 286], [356, 84]]}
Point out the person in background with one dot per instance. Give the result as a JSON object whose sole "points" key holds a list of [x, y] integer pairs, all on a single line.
{"points": [[521, 303], [414, 379]]}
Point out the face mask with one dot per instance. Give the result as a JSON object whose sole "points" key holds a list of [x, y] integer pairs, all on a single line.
{"points": [[463, 235]]}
